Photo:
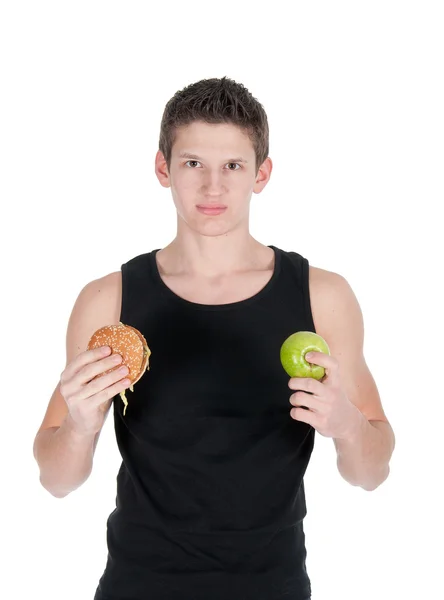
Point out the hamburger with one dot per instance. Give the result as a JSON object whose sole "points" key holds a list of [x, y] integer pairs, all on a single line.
{"points": [[132, 347]]}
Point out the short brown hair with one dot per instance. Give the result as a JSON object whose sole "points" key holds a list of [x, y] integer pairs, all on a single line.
{"points": [[215, 101]]}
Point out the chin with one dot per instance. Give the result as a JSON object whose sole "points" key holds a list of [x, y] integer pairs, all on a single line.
{"points": [[213, 231], [210, 228]]}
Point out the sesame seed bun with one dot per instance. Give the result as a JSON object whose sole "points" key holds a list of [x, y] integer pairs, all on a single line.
{"points": [[132, 347]]}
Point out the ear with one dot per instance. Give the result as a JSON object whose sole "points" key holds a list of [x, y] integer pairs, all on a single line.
{"points": [[161, 170], [263, 175]]}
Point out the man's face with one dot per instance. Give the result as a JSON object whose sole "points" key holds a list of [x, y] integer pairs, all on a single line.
{"points": [[213, 166]]}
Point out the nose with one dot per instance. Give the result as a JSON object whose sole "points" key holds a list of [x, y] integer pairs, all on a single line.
{"points": [[213, 184]]}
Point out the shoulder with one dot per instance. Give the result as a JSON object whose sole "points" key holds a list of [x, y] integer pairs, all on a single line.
{"points": [[106, 286], [98, 304], [102, 295], [323, 279], [333, 300]]}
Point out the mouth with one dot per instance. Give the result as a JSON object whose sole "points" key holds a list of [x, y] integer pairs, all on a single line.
{"points": [[208, 209]]}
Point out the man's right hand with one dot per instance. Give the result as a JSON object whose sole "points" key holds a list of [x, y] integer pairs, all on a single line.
{"points": [[88, 399]]}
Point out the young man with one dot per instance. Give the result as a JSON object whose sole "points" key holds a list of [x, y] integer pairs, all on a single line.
{"points": [[215, 442]]}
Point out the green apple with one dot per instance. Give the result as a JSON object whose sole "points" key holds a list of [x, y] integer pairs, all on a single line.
{"points": [[293, 352]]}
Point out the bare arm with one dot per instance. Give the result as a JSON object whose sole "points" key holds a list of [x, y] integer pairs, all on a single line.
{"points": [[63, 453], [363, 456], [65, 458], [363, 459]]}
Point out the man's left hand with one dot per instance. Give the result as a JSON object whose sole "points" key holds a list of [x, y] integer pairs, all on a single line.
{"points": [[330, 411]]}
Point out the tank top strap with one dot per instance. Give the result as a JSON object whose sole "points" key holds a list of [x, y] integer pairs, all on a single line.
{"points": [[296, 272], [138, 280]]}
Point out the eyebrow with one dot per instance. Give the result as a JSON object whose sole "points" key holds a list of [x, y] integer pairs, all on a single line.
{"points": [[195, 157]]}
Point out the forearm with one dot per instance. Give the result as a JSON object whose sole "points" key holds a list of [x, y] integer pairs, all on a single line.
{"points": [[363, 457], [64, 457]]}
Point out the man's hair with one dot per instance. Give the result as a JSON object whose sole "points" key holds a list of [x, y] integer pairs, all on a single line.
{"points": [[215, 101]]}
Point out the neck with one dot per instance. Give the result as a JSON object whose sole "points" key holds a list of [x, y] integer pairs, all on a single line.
{"points": [[213, 256]]}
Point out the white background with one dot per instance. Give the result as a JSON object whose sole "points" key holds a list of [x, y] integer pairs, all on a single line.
{"points": [[354, 96]]}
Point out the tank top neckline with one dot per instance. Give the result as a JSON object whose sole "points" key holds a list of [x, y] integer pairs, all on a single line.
{"points": [[168, 292]]}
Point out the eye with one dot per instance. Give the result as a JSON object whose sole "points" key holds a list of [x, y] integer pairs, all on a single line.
{"points": [[197, 162]]}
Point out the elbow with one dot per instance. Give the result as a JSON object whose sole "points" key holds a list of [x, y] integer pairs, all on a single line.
{"points": [[371, 486], [367, 481], [56, 494], [60, 489], [53, 490]]}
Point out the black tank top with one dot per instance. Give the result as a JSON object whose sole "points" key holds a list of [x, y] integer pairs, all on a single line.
{"points": [[210, 493]]}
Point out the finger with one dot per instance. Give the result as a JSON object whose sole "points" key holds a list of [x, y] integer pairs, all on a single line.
{"points": [[306, 384], [305, 416], [301, 399], [90, 371], [102, 382], [323, 360], [99, 388], [83, 359], [111, 391], [329, 363], [80, 388]]}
